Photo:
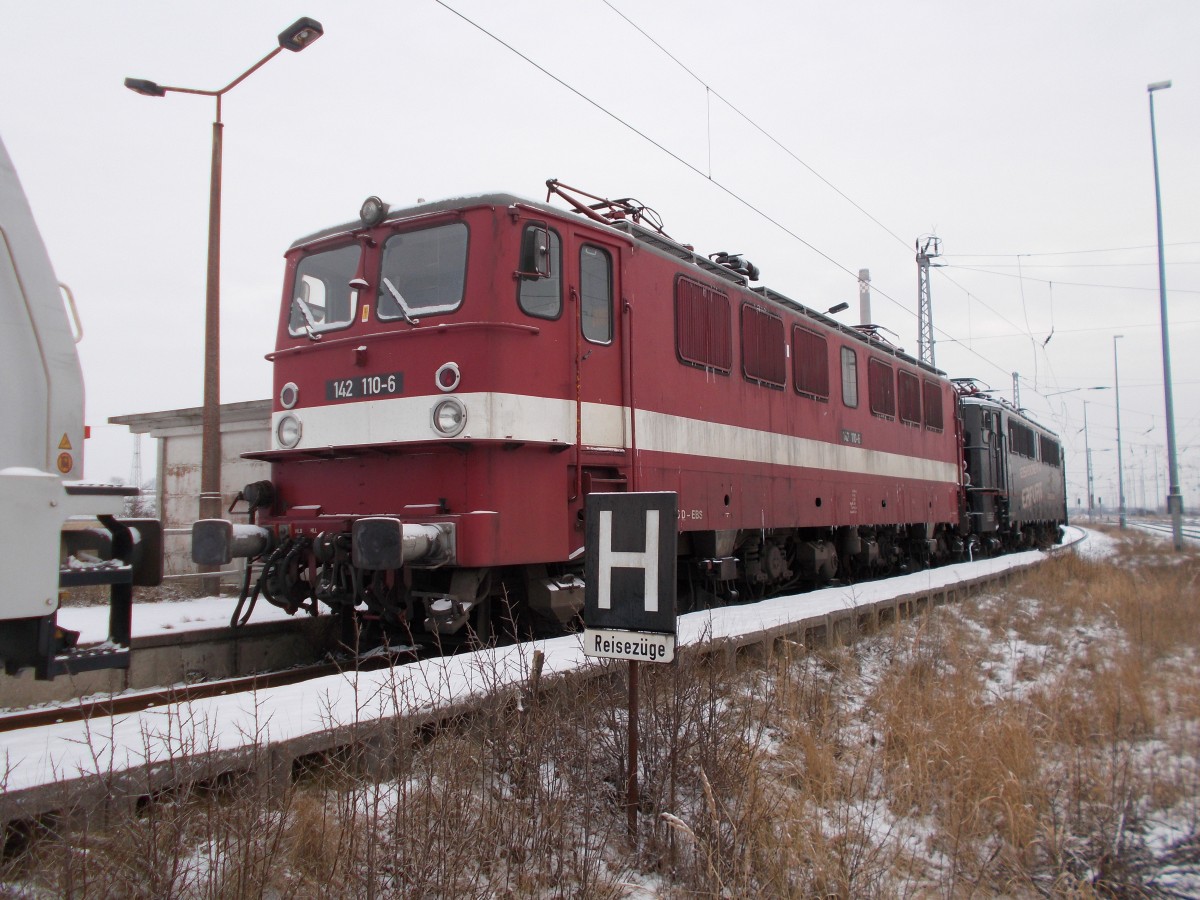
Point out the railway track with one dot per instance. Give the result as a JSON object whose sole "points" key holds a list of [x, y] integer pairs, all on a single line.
{"points": [[213, 682], [184, 666], [138, 701], [1191, 532], [315, 716], [184, 658]]}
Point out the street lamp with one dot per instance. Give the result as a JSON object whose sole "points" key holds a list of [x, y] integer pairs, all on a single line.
{"points": [[1174, 498], [295, 37], [1120, 466]]}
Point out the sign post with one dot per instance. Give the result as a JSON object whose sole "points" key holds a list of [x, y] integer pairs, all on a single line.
{"points": [[629, 594]]}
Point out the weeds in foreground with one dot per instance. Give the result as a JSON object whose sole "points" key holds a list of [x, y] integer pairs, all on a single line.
{"points": [[1039, 742]]}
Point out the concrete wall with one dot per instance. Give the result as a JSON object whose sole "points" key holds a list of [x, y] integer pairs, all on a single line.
{"points": [[179, 483], [245, 427]]}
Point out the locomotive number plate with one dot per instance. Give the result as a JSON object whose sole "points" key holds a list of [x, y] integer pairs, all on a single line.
{"points": [[360, 386]]}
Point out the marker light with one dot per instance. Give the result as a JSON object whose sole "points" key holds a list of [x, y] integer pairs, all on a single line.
{"points": [[447, 377], [289, 394]]}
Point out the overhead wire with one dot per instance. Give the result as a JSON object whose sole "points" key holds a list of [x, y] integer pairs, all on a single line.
{"points": [[1028, 327], [1035, 346], [753, 124], [1051, 334], [999, 315], [1186, 262], [1074, 252], [709, 89], [675, 156], [1115, 287], [721, 186]]}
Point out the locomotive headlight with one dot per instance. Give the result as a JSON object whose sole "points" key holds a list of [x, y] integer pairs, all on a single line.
{"points": [[288, 395], [288, 431], [449, 417]]}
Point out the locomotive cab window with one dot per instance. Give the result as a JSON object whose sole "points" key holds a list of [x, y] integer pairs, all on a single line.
{"points": [[849, 377], [423, 272], [540, 273], [321, 295], [595, 294]]}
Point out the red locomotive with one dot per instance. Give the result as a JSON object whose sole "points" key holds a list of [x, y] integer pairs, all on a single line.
{"points": [[452, 380]]}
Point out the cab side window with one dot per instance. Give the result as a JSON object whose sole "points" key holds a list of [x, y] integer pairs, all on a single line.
{"points": [[849, 377], [595, 293], [541, 295]]}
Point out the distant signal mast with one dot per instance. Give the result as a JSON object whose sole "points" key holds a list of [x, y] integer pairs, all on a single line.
{"points": [[928, 247]]}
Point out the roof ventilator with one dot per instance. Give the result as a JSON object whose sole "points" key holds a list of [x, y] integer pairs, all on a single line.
{"points": [[735, 262]]}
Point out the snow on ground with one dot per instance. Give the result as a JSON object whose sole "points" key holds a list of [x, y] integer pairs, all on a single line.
{"points": [[51, 753], [1096, 544]]}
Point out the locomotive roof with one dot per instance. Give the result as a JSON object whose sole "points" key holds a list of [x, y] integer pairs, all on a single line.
{"points": [[984, 398], [425, 209], [655, 241]]}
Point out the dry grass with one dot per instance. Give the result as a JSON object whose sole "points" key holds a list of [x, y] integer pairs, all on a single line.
{"points": [[1036, 742]]}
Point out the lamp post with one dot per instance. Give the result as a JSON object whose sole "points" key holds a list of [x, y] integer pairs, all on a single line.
{"points": [[1120, 467], [1157, 495], [1087, 453], [1174, 497], [295, 37]]}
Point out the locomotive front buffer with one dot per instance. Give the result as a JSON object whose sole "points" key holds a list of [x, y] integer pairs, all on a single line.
{"points": [[364, 561]]}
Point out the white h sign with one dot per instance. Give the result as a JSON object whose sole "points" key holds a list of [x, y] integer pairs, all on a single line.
{"points": [[646, 560], [629, 575]]}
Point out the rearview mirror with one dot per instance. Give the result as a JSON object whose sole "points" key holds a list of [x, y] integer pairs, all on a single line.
{"points": [[535, 253]]}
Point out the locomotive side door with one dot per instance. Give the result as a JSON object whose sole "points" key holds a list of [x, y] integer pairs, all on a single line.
{"points": [[602, 428]]}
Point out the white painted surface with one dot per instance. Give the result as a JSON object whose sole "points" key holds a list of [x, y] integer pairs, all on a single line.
{"points": [[517, 417]]}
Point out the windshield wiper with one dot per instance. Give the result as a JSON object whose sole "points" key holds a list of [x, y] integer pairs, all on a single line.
{"points": [[310, 322], [400, 303]]}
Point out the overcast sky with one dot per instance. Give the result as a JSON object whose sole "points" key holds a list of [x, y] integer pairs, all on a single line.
{"points": [[815, 138]]}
